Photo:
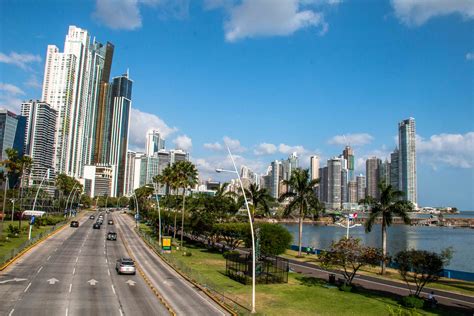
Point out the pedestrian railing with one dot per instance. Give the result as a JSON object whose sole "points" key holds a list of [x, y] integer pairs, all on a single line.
{"points": [[218, 291], [14, 252]]}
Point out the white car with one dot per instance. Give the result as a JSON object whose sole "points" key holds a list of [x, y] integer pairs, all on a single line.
{"points": [[125, 266]]}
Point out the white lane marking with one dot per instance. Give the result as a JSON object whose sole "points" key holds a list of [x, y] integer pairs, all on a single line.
{"points": [[49, 257], [113, 289], [120, 310], [106, 261], [77, 258], [11, 312], [27, 288], [70, 288], [108, 272], [67, 311], [39, 270], [104, 252], [80, 250], [74, 271]]}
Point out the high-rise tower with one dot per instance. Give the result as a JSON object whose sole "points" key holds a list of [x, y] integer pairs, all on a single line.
{"points": [[407, 159]]}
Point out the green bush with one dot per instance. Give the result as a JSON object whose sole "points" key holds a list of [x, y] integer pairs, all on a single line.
{"points": [[274, 239], [187, 253], [412, 301], [13, 231]]}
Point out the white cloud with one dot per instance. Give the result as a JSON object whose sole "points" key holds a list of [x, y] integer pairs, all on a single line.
{"points": [[125, 14], [287, 149], [141, 123], [213, 146], [265, 149], [358, 139], [33, 82], [256, 18], [234, 145], [118, 14], [470, 56], [417, 12], [19, 60], [183, 142], [455, 150], [10, 89]]}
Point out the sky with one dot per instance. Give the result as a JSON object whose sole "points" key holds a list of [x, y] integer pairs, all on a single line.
{"points": [[272, 77]]}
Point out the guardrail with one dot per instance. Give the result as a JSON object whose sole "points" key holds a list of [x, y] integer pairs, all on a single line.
{"points": [[219, 292]]}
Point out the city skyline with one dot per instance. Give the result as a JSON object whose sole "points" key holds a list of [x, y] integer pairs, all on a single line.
{"points": [[257, 133]]}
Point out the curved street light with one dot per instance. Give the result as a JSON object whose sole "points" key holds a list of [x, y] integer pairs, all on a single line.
{"points": [[251, 225]]}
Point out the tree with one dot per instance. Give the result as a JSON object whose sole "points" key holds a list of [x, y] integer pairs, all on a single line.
{"points": [[186, 176], [232, 233], [259, 197], [301, 198], [350, 255], [421, 267], [169, 178], [274, 238], [388, 205]]}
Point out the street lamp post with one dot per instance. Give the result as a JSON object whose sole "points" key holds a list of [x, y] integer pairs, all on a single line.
{"points": [[69, 196], [155, 185], [251, 225], [348, 226], [36, 197], [13, 208], [137, 215]]}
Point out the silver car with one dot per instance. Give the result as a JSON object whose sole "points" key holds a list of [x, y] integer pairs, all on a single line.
{"points": [[125, 266]]}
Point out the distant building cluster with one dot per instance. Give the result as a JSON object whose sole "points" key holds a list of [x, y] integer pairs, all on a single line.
{"points": [[80, 127]]}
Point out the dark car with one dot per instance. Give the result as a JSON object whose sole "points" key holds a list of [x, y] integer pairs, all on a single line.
{"points": [[92, 217], [110, 222], [111, 236], [74, 224], [125, 266], [96, 226]]}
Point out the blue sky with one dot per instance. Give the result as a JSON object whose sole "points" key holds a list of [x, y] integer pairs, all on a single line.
{"points": [[270, 77]]}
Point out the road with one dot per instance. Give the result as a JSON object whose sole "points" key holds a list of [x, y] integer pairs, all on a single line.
{"points": [[73, 273], [184, 298]]}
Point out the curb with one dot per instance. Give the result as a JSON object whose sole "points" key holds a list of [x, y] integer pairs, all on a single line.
{"points": [[25, 250], [203, 289], [147, 281]]}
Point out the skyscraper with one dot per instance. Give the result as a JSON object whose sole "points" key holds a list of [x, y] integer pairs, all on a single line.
{"points": [[154, 142], [352, 188], [39, 137], [407, 159], [12, 133], [334, 183], [323, 184], [361, 187], [314, 167], [394, 170], [276, 177], [372, 166], [73, 86], [348, 154], [384, 172], [121, 100]]}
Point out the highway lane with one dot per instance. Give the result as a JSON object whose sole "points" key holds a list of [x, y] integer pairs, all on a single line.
{"points": [[184, 298], [73, 273]]}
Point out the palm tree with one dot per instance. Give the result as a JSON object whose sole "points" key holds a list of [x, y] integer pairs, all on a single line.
{"points": [[388, 205], [169, 178], [186, 177], [301, 198], [259, 197]]}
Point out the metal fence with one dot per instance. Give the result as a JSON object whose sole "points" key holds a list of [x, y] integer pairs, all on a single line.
{"points": [[13, 252], [218, 291], [268, 269]]}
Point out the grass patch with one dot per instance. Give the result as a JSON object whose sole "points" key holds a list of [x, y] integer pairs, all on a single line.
{"points": [[11, 244], [300, 296]]}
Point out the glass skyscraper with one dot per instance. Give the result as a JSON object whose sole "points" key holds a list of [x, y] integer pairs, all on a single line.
{"points": [[407, 159]]}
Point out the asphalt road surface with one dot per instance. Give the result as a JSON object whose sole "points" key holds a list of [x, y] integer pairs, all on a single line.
{"points": [[73, 273]]}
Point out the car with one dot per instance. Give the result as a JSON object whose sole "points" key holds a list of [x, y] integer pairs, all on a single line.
{"points": [[110, 222], [74, 224], [92, 217], [125, 266], [96, 226], [111, 236]]}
